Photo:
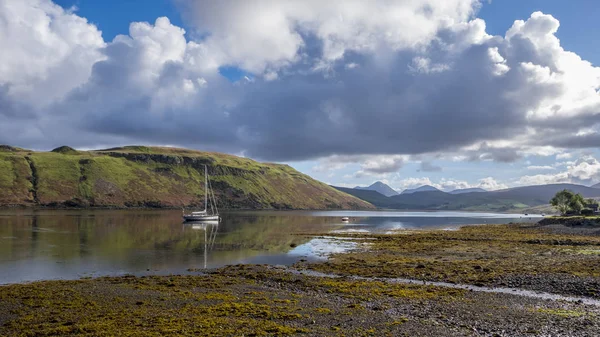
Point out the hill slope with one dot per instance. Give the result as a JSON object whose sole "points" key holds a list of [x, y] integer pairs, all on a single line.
{"points": [[467, 190], [138, 176], [513, 199], [379, 187], [424, 188]]}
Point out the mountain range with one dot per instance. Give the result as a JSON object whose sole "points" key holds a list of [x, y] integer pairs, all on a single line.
{"points": [[386, 190], [140, 176], [512, 199]]}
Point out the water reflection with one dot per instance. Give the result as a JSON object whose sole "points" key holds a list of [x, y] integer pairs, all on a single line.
{"points": [[46, 244], [206, 227]]}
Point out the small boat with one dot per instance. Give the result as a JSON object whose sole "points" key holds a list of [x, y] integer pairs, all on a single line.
{"points": [[205, 215], [345, 218]]}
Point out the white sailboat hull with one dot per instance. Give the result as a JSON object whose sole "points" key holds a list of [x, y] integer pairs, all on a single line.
{"points": [[200, 217]]}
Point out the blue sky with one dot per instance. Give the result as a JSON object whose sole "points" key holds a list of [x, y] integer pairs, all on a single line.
{"points": [[114, 16], [408, 100], [578, 18]]}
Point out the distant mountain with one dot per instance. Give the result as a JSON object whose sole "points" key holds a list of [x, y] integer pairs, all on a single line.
{"points": [[467, 190], [376, 198], [596, 186], [424, 188], [509, 200], [379, 187]]}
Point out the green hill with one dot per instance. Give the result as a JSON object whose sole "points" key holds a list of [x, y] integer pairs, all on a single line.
{"points": [[139, 176]]}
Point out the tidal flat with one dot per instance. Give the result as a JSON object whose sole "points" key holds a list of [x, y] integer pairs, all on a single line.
{"points": [[348, 295]]}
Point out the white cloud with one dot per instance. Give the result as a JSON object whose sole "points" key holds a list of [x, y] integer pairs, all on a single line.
{"points": [[257, 34], [374, 165], [542, 179], [382, 164], [586, 170], [490, 184], [538, 168], [474, 96], [565, 155], [46, 51], [445, 184]]}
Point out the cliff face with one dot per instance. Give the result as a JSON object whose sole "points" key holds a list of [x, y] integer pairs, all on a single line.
{"points": [[139, 176]]}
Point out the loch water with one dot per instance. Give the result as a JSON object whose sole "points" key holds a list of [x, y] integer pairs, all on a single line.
{"points": [[70, 244]]}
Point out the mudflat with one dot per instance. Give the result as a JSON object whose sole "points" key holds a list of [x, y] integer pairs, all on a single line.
{"points": [[352, 294]]}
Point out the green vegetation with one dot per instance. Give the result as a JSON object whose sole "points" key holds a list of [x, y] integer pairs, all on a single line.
{"points": [[264, 301], [567, 202], [140, 176], [503, 255], [15, 180]]}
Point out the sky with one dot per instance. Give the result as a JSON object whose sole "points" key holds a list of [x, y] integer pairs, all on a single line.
{"points": [[449, 93]]}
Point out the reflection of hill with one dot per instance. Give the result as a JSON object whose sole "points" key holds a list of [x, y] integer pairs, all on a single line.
{"points": [[148, 239], [269, 232]]}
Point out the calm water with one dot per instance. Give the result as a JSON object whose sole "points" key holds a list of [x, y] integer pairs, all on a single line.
{"points": [[50, 244]]}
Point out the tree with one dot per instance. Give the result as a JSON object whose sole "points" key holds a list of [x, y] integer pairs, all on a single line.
{"points": [[576, 203], [562, 201], [565, 201]]}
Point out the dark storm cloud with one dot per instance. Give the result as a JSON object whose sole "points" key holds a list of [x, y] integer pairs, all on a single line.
{"points": [[571, 141]]}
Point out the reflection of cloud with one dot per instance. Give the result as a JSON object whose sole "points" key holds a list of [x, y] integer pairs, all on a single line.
{"points": [[323, 247]]}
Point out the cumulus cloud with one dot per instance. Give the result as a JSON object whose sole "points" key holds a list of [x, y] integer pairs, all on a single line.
{"points": [[269, 34], [585, 170], [445, 184], [383, 79], [46, 51]]}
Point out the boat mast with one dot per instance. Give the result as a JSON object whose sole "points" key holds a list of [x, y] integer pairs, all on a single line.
{"points": [[205, 189]]}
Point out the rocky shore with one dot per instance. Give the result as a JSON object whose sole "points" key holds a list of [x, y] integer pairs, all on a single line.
{"points": [[259, 300]]}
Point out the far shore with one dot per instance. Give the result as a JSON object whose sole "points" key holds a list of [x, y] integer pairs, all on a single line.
{"points": [[146, 208]]}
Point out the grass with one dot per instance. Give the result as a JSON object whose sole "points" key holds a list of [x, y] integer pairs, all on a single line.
{"points": [[159, 177], [15, 184]]}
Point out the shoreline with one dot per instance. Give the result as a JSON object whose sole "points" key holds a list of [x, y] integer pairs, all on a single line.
{"points": [[144, 208], [366, 298]]}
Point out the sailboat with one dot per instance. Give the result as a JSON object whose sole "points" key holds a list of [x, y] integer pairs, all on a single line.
{"points": [[205, 215]]}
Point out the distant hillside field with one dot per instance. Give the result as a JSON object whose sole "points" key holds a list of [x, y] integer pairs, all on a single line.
{"points": [[138, 176], [524, 199]]}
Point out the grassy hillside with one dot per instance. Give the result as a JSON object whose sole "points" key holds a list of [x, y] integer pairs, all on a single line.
{"points": [[527, 199], [138, 176]]}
